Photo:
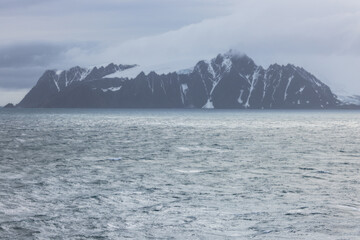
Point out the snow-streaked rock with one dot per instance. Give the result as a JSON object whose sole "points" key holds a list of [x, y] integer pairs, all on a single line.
{"points": [[230, 80]]}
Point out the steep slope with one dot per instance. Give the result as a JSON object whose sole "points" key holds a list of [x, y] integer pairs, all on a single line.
{"points": [[53, 82], [235, 81], [228, 81]]}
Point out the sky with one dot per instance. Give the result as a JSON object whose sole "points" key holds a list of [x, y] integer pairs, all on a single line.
{"points": [[323, 36]]}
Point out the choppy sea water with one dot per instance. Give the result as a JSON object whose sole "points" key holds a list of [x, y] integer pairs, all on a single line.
{"points": [[179, 174]]}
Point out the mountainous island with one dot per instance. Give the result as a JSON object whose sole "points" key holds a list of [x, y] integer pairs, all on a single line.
{"points": [[229, 80]]}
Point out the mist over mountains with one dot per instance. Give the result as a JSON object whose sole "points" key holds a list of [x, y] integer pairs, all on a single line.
{"points": [[230, 80]]}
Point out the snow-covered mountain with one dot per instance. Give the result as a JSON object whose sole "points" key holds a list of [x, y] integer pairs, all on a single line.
{"points": [[229, 80], [350, 100]]}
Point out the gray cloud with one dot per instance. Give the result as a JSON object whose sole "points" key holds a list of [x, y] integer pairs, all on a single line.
{"points": [[43, 34], [21, 77], [38, 54], [11, 95], [25, 55], [22, 64], [105, 21], [325, 39]]}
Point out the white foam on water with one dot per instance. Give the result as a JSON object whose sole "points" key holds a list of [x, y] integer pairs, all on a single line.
{"points": [[115, 159], [185, 149], [163, 173], [348, 208], [20, 140], [201, 149], [188, 170]]}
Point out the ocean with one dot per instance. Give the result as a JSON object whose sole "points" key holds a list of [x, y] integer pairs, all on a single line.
{"points": [[179, 174]]}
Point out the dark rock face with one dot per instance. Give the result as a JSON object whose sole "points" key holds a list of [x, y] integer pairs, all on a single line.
{"points": [[9, 105], [227, 81], [233, 81], [52, 84]]}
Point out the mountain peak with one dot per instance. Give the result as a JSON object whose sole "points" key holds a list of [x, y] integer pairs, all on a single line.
{"points": [[232, 53], [230, 80]]}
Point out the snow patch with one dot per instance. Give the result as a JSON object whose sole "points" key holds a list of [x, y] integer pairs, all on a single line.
{"points": [[287, 87], [239, 99], [317, 82], [301, 89], [212, 71], [84, 74], [127, 73], [227, 63], [350, 99], [112, 89], [252, 86], [133, 72], [208, 105], [185, 71], [163, 86], [184, 88], [56, 84], [256, 75]]}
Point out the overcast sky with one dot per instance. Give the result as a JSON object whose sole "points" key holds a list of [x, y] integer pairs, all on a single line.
{"points": [[323, 36]]}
